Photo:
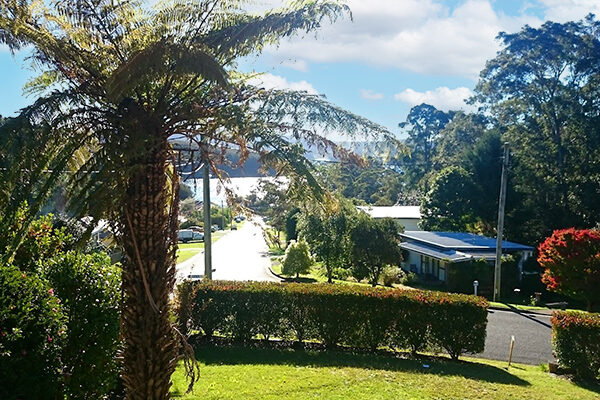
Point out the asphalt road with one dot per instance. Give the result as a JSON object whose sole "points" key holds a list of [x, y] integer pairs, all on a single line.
{"points": [[532, 334], [241, 255]]}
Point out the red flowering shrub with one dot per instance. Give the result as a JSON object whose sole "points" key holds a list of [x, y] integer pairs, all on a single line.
{"points": [[32, 330], [336, 314], [576, 342], [571, 259]]}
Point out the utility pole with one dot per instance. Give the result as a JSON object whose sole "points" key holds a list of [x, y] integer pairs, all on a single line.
{"points": [[207, 222], [499, 231]]}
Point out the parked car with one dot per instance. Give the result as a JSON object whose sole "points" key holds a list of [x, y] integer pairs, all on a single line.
{"points": [[234, 227], [198, 235], [214, 228], [185, 235]]}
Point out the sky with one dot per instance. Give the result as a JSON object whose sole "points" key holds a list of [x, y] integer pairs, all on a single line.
{"points": [[392, 54]]}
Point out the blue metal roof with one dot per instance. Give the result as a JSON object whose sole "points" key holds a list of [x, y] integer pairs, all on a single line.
{"points": [[460, 241], [450, 255]]}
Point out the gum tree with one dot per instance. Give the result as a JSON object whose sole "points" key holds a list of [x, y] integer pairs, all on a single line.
{"points": [[117, 80]]}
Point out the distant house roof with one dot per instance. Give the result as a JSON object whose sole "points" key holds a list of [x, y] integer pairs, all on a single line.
{"points": [[395, 212], [460, 241], [450, 255]]}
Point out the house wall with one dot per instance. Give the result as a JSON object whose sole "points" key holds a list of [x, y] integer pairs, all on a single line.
{"points": [[409, 224], [413, 263]]}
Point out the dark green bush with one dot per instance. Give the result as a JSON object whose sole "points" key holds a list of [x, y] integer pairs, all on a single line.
{"points": [[32, 331], [461, 276], [89, 288], [336, 315], [576, 342], [457, 327]]}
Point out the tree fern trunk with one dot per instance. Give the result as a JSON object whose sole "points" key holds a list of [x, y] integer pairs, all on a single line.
{"points": [[149, 234]]}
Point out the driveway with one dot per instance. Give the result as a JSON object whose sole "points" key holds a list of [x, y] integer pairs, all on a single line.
{"points": [[532, 334], [241, 255]]}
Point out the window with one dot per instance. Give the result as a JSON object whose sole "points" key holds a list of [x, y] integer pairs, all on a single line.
{"points": [[442, 271]]}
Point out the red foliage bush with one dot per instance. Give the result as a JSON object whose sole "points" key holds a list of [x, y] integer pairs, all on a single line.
{"points": [[571, 258]]}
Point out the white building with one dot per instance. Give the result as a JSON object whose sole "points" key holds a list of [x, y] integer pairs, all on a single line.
{"points": [[407, 216]]}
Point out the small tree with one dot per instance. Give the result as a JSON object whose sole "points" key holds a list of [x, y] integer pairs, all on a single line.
{"points": [[329, 238], [297, 259], [375, 245], [571, 258]]}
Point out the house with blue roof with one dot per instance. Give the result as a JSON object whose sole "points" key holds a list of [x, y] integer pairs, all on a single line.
{"points": [[432, 254]]}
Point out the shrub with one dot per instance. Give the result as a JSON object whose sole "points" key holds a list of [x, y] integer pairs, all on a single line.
{"points": [[42, 241], [336, 314], [461, 276], [31, 333], [576, 342], [457, 326], [572, 265], [89, 288], [392, 276], [297, 259], [410, 279]]}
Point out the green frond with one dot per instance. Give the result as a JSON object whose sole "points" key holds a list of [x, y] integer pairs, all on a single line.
{"points": [[243, 34], [157, 61], [41, 83]]}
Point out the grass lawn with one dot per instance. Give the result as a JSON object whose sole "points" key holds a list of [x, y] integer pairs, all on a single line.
{"points": [[185, 254], [188, 250], [251, 373]]}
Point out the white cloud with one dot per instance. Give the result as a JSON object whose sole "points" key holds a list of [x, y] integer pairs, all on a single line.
{"points": [[569, 10], [442, 98], [270, 81], [371, 95], [423, 36]]}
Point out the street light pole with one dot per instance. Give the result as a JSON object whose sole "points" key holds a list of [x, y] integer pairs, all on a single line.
{"points": [[499, 231], [207, 222]]}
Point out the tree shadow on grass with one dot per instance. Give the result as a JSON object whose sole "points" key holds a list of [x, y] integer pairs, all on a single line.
{"points": [[237, 354]]}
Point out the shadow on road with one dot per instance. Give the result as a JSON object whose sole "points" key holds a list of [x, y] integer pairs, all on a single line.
{"points": [[237, 354], [525, 315]]}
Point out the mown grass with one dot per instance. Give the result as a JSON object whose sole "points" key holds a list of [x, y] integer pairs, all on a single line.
{"points": [[188, 250], [185, 254], [255, 373]]}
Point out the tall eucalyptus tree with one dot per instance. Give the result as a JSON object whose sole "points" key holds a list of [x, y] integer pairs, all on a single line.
{"points": [[118, 79]]}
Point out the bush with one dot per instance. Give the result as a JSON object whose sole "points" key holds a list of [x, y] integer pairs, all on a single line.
{"points": [[410, 279], [31, 334], [461, 276], [576, 342], [448, 323], [392, 276], [89, 288], [42, 241], [336, 315], [297, 259]]}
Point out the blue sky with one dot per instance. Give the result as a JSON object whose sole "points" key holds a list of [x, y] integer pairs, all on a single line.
{"points": [[393, 55]]}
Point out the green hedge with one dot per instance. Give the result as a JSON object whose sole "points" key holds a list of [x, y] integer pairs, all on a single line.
{"points": [[336, 315], [576, 342]]}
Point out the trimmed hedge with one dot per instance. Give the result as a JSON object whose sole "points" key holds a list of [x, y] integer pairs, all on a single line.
{"points": [[576, 342], [336, 315]]}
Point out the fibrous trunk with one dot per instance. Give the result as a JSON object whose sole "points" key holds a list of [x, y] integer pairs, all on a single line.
{"points": [[149, 234]]}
